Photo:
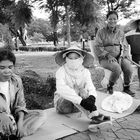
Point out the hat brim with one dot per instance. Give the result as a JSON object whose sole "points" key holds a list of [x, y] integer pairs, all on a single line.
{"points": [[134, 24], [87, 62], [106, 103]]}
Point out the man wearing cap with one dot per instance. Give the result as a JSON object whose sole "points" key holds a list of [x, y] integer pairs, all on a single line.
{"points": [[74, 87]]}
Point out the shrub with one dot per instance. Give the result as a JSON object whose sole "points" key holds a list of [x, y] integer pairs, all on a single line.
{"points": [[29, 48], [38, 91]]}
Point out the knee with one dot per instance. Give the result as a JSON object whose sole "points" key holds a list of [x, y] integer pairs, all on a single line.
{"points": [[64, 107], [126, 66], [128, 70], [117, 69]]}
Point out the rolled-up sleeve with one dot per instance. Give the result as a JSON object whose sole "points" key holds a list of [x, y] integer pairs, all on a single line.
{"points": [[64, 90]]}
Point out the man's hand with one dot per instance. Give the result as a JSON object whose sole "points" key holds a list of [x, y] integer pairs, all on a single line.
{"points": [[111, 59], [6, 125], [20, 129], [127, 57]]}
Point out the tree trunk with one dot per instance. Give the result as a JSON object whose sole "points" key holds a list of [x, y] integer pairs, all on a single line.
{"points": [[17, 34], [22, 40], [68, 26], [21, 36], [108, 5], [112, 6], [55, 38], [64, 41]]}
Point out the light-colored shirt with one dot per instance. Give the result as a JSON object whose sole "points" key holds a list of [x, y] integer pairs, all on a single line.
{"points": [[4, 89], [65, 85], [108, 42]]}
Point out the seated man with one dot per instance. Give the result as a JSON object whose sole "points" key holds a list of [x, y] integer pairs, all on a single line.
{"points": [[15, 120], [133, 38], [112, 52]]}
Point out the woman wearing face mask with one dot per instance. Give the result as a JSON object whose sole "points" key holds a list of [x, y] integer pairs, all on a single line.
{"points": [[74, 88], [112, 51]]}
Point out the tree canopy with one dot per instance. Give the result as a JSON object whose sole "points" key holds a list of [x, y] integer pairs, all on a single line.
{"points": [[75, 16], [16, 15]]}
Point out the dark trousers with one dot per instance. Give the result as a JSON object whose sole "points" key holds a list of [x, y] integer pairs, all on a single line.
{"points": [[136, 58]]}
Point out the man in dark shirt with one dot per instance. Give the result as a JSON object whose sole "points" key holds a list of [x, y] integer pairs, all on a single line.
{"points": [[133, 38]]}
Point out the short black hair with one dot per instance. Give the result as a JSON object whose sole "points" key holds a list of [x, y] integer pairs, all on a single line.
{"points": [[6, 54], [112, 12]]}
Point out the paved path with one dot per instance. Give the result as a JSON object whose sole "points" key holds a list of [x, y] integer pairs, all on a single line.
{"points": [[127, 128]]}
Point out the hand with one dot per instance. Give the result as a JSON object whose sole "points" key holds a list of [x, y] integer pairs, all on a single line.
{"points": [[111, 59], [83, 93], [80, 91], [6, 125], [127, 56], [89, 103], [20, 129]]}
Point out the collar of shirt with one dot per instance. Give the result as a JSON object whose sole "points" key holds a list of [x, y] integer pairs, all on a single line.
{"points": [[110, 30]]}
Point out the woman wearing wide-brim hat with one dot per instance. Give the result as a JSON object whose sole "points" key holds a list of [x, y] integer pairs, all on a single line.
{"points": [[133, 38], [88, 58], [74, 86]]}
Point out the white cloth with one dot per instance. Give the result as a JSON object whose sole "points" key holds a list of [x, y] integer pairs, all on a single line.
{"points": [[4, 89], [74, 64], [65, 84], [117, 102]]}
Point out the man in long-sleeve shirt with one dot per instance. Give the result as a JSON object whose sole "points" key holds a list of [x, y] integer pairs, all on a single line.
{"points": [[112, 51]]}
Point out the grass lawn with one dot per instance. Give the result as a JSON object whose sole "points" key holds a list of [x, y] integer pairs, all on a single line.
{"points": [[40, 62]]}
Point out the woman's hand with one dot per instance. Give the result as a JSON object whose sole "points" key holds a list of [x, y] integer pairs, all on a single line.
{"points": [[89, 103], [6, 125]]}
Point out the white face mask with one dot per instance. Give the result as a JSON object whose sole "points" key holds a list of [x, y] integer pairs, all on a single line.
{"points": [[74, 64]]}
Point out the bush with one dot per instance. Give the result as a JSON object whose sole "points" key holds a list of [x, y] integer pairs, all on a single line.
{"points": [[29, 48], [38, 91]]}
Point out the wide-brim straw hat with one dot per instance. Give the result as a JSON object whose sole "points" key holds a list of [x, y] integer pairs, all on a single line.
{"points": [[134, 23], [88, 60], [120, 99]]}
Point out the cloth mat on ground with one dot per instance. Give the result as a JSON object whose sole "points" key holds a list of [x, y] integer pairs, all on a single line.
{"points": [[58, 126]]}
